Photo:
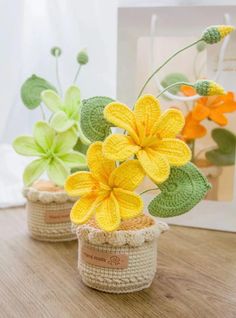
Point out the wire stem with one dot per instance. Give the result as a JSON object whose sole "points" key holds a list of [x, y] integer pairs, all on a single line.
{"points": [[173, 85], [42, 112], [162, 65], [58, 77], [77, 74], [191, 145], [148, 191]]}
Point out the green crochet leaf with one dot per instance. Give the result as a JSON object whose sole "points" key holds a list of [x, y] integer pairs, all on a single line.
{"points": [[185, 187], [92, 122], [31, 91], [224, 155], [81, 147], [174, 78]]}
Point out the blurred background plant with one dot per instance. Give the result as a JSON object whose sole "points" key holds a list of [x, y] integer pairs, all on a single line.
{"points": [[198, 113], [55, 137]]}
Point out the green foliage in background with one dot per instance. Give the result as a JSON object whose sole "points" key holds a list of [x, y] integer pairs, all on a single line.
{"points": [[224, 155], [172, 79], [31, 91]]}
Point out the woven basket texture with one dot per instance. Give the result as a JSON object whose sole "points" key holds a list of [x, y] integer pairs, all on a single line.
{"points": [[48, 215], [136, 238], [52, 232]]}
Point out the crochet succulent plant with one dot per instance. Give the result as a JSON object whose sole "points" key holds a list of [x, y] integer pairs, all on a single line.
{"points": [[54, 151], [55, 141]]}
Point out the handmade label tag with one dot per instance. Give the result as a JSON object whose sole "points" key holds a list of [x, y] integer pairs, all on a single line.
{"points": [[59, 216], [103, 259]]}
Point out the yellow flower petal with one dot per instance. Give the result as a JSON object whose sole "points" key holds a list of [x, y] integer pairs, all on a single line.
{"points": [[155, 165], [130, 204], [108, 214], [170, 124], [83, 209], [121, 116], [80, 183], [119, 147], [175, 150], [100, 166], [147, 112], [127, 176]]}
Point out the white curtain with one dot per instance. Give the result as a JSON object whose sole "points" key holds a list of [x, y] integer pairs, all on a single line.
{"points": [[28, 31]]}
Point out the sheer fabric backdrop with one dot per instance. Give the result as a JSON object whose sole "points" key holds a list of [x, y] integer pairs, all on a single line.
{"points": [[28, 31]]}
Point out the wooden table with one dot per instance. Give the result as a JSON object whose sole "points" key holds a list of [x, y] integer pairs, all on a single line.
{"points": [[196, 277]]}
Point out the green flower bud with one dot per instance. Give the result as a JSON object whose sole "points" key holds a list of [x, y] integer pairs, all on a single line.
{"points": [[56, 51], [82, 57], [201, 46], [208, 88], [216, 33]]}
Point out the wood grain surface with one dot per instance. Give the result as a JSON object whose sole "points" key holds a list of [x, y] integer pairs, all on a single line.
{"points": [[196, 277]]}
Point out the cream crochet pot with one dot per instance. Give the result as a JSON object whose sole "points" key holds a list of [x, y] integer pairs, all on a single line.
{"points": [[122, 261], [48, 213]]}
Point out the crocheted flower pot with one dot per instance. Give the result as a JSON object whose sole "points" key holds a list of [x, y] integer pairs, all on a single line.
{"points": [[123, 261], [48, 212]]}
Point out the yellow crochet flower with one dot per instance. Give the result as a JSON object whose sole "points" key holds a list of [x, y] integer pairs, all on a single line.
{"points": [[106, 191], [151, 137]]}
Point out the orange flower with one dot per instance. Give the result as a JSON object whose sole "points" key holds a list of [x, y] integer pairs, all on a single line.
{"points": [[214, 107], [188, 90], [192, 128]]}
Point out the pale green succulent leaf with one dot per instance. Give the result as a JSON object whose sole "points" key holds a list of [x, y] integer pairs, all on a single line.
{"points": [[57, 171], [72, 101], [31, 91], [34, 170], [44, 135], [52, 100], [74, 159], [26, 146], [64, 142], [60, 122]]}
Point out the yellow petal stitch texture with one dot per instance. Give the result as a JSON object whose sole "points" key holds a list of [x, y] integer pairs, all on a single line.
{"points": [[106, 191], [151, 137]]}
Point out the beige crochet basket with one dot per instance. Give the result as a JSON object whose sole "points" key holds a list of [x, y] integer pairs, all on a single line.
{"points": [[48, 213], [123, 261]]}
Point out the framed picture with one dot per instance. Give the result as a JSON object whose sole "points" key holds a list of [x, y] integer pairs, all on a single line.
{"points": [[142, 47]]}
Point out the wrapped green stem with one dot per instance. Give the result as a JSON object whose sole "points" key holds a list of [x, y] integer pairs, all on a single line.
{"points": [[163, 64], [77, 73], [148, 190], [173, 85], [191, 145]]}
